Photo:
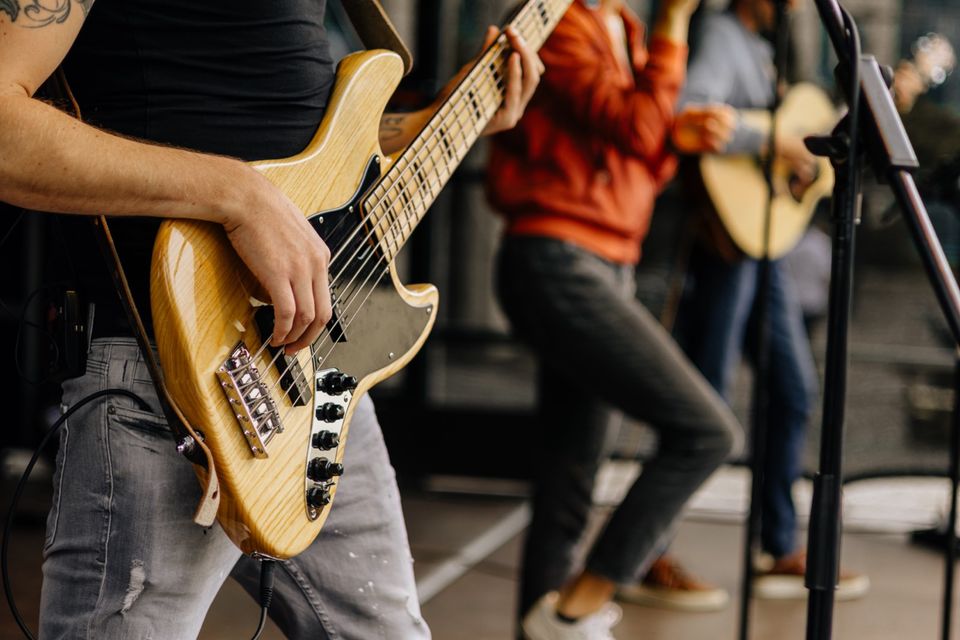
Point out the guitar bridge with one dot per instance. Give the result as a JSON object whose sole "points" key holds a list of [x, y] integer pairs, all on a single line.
{"points": [[249, 397]]}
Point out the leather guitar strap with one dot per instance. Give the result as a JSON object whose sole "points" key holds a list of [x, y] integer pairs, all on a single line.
{"points": [[375, 29]]}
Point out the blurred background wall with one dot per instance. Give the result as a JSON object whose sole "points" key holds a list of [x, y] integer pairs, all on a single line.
{"points": [[472, 376]]}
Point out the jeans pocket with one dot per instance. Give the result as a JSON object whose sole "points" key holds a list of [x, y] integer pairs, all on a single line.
{"points": [[144, 421], [53, 517]]}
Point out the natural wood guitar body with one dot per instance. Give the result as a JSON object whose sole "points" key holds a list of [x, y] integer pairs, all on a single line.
{"points": [[201, 298]]}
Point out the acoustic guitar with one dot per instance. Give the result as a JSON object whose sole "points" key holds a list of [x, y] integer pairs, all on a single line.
{"points": [[738, 189], [277, 426]]}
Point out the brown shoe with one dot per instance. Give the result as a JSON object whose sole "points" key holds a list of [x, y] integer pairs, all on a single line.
{"points": [[784, 580], [668, 585]]}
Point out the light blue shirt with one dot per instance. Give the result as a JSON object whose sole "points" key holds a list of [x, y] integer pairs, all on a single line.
{"points": [[734, 66]]}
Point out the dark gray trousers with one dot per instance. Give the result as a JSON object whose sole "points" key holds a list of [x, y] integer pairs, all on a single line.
{"points": [[601, 350]]}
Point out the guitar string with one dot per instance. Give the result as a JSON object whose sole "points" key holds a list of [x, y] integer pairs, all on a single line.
{"points": [[496, 50], [406, 163], [408, 167], [370, 270], [413, 165], [403, 218], [410, 207], [492, 55], [523, 20], [406, 209]]}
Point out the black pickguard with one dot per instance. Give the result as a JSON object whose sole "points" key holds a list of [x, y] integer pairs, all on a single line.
{"points": [[372, 324]]}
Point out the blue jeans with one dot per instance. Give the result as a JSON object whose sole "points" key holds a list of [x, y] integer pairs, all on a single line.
{"points": [[715, 326], [123, 558], [600, 350]]}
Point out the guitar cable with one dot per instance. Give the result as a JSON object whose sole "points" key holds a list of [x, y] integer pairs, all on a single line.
{"points": [[267, 565]]}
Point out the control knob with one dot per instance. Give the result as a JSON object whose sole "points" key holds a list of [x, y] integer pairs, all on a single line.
{"points": [[329, 412], [326, 440], [318, 498], [321, 470], [334, 383]]}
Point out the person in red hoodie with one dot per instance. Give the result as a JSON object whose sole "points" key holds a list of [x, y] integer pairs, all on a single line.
{"points": [[575, 182]]}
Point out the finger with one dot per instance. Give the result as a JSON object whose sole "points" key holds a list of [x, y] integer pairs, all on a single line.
{"points": [[716, 143], [511, 99], [323, 310], [532, 69], [724, 114], [719, 129], [305, 309], [531, 64], [519, 44], [284, 307], [491, 35]]}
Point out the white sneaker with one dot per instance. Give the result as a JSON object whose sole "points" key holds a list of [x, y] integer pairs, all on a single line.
{"points": [[542, 623]]}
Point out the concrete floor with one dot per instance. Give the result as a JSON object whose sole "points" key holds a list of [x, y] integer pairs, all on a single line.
{"points": [[479, 605], [904, 601]]}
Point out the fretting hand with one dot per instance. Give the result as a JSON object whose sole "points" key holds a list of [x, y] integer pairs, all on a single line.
{"points": [[523, 68]]}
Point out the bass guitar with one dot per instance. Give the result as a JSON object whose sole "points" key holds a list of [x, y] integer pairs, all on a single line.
{"points": [[276, 426]]}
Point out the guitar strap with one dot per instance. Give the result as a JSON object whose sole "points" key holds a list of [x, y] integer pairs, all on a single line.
{"points": [[189, 441], [375, 29]]}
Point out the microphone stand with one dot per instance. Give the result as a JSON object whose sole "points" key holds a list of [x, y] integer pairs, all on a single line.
{"points": [[879, 132], [760, 402]]}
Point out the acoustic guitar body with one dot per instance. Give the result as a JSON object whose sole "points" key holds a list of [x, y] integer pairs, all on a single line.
{"points": [[738, 189]]}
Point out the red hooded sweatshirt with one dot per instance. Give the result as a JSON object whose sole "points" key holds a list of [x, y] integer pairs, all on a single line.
{"points": [[590, 154]]}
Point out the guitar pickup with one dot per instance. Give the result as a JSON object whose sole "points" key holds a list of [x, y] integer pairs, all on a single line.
{"points": [[337, 326], [292, 379]]}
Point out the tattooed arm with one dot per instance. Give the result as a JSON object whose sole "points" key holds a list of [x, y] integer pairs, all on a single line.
{"points": [[51, 162], [37, 13]]}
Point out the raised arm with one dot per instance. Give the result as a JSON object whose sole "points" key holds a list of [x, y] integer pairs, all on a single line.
{"points": [[51, 162], [636, 119]]}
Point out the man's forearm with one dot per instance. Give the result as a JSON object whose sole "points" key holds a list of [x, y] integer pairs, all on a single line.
{"points": [[397, 130], [52, 162]]}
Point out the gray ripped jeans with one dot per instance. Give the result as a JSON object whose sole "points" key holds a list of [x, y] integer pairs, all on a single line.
{"points": [[123, 558]]}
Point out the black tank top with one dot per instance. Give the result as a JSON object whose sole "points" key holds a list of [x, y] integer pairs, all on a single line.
{"points": [[245, 78]]}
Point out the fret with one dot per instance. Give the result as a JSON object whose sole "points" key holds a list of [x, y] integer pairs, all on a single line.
{"points": [[437, 168], [447, 145], [384, 226], [422, 181], [534, 23], [388, 218]]}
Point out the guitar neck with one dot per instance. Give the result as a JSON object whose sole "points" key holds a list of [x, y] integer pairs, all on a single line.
{"points": [[405, 192]]}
